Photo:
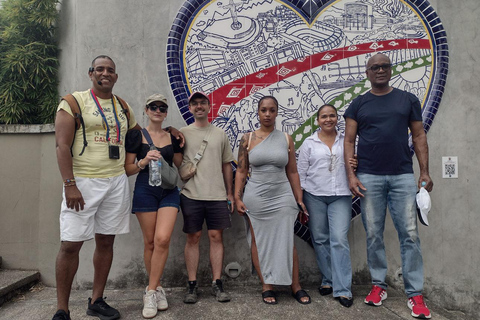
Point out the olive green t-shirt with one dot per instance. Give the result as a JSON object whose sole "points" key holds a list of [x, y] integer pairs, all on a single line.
{"points": [[207, 183]]}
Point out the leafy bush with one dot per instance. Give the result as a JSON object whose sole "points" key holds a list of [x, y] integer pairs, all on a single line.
{"points": [[28, 61]]}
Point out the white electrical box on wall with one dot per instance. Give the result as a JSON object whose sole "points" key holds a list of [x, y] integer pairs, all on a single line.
{"points": [[450, 167]]}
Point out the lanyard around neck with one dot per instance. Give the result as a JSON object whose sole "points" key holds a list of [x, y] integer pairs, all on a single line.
{"points": [[99, 107]]}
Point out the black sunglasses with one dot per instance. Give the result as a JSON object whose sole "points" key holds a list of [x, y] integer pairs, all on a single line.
{"points": [[154, 108], [377, 67]]}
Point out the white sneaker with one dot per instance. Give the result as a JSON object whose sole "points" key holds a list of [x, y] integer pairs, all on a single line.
{"points": [[149, 304], [162, 303]]}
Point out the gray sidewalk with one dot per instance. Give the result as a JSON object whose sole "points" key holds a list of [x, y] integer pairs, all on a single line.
{"points": [[40, 303]]}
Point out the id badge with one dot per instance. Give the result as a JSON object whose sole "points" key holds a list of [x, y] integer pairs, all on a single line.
{"points": [[113, 152]]}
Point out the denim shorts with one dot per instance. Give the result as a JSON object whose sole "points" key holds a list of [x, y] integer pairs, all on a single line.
{"points": [[195, 212], [149, 199]]}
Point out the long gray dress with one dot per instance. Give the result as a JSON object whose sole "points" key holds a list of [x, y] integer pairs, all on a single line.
{"points": [[273, 210]]}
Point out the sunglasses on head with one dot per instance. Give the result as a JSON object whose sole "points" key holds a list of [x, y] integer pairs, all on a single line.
{"points": [[154, 108]]}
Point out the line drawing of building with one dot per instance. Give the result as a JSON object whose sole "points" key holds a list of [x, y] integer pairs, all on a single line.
{"points": [[231, 40], [243, 50]]}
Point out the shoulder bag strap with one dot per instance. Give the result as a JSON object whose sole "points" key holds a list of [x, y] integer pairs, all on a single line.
{"points": [[249, 139], [125, 110], [203, 146], [147, 137], [77, 115]]}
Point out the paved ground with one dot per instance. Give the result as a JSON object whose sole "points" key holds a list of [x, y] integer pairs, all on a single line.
{"points": [[13, 281], [40, 302]]}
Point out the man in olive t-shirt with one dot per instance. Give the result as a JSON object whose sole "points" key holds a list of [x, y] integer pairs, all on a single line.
{"points": [[207, 196]]}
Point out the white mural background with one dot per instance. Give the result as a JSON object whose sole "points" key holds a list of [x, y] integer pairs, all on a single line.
{"points": [[305, 53]]}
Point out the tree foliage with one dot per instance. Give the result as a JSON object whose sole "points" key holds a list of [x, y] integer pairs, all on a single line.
{"points": [[28, 61]]}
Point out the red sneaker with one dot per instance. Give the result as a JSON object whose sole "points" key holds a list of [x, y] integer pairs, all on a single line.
{"points": [[418, 307], [376, 296]]}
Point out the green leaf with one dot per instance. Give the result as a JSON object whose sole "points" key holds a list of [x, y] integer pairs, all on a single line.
{"points": [[28, 61]]}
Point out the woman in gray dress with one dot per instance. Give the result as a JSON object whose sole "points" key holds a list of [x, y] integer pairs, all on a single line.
{"points": [[270, 202]]}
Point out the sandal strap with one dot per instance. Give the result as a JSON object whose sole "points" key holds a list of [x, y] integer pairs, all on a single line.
{"points": [[300, 294], [269, 294]]}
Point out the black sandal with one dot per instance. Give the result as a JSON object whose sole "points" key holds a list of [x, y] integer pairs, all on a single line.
{"points": [[269, 294], [301, 294]]}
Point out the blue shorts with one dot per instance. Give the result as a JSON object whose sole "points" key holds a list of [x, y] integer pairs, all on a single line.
{"points": [[215, 213], [149, 199]]}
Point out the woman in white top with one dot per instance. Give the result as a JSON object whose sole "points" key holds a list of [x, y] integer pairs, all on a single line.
{"points": [[329, 203]]}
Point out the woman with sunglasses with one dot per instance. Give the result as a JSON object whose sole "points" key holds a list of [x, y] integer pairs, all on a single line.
{"points": [[156, 208], [329, 202]]}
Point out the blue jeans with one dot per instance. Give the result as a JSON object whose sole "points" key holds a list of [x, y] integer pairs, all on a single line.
{"points": [[329, 223], [398, 193]]}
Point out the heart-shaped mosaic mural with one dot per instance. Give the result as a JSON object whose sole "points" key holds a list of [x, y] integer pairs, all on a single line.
{"points": [[305, 53]]}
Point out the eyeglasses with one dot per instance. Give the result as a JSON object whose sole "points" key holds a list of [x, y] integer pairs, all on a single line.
{"points": [[154, 108], [333, 162], [203, 103], [376, 67]]}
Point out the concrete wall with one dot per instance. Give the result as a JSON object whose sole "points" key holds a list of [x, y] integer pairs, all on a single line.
{"points": [[134, 34], [31, 193]]}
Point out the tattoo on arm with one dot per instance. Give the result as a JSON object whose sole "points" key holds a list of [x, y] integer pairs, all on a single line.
{"points": [[243, 153], [240, 192]]}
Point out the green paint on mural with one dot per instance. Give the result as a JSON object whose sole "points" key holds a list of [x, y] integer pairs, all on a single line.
{"points": [[309, 126]]}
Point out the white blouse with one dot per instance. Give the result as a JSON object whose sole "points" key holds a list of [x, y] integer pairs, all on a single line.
{"points": [[322, 172]]}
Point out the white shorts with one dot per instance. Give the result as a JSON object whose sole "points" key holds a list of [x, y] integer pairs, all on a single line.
{"points": [[106, 211]]}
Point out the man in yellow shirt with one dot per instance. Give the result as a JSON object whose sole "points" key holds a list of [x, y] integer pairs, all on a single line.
{"points": [[96, 197]]}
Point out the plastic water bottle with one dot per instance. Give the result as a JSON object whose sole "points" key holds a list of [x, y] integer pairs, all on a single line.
{"points": [[155, 169]]}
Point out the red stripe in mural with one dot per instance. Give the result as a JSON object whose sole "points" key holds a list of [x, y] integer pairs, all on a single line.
{"points": [[241, 88]]}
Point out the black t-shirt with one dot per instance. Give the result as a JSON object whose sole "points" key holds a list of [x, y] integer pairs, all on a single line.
{"points": [[383, 123], [133, 144]]}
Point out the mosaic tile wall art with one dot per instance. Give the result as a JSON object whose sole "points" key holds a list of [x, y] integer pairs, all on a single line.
{"points": [[305, 53]]}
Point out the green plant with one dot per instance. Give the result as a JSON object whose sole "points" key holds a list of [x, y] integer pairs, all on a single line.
{"points": [[28, 61]]}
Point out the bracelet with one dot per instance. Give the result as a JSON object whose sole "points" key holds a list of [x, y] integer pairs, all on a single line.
{"points": [[139, 166], [70, 184], [69, 180]]}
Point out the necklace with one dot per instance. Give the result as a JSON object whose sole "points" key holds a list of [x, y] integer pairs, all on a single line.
{"points": [[261, 137]]}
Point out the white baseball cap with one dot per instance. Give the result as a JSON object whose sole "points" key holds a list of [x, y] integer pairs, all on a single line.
{"points": [[424, 205]]}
